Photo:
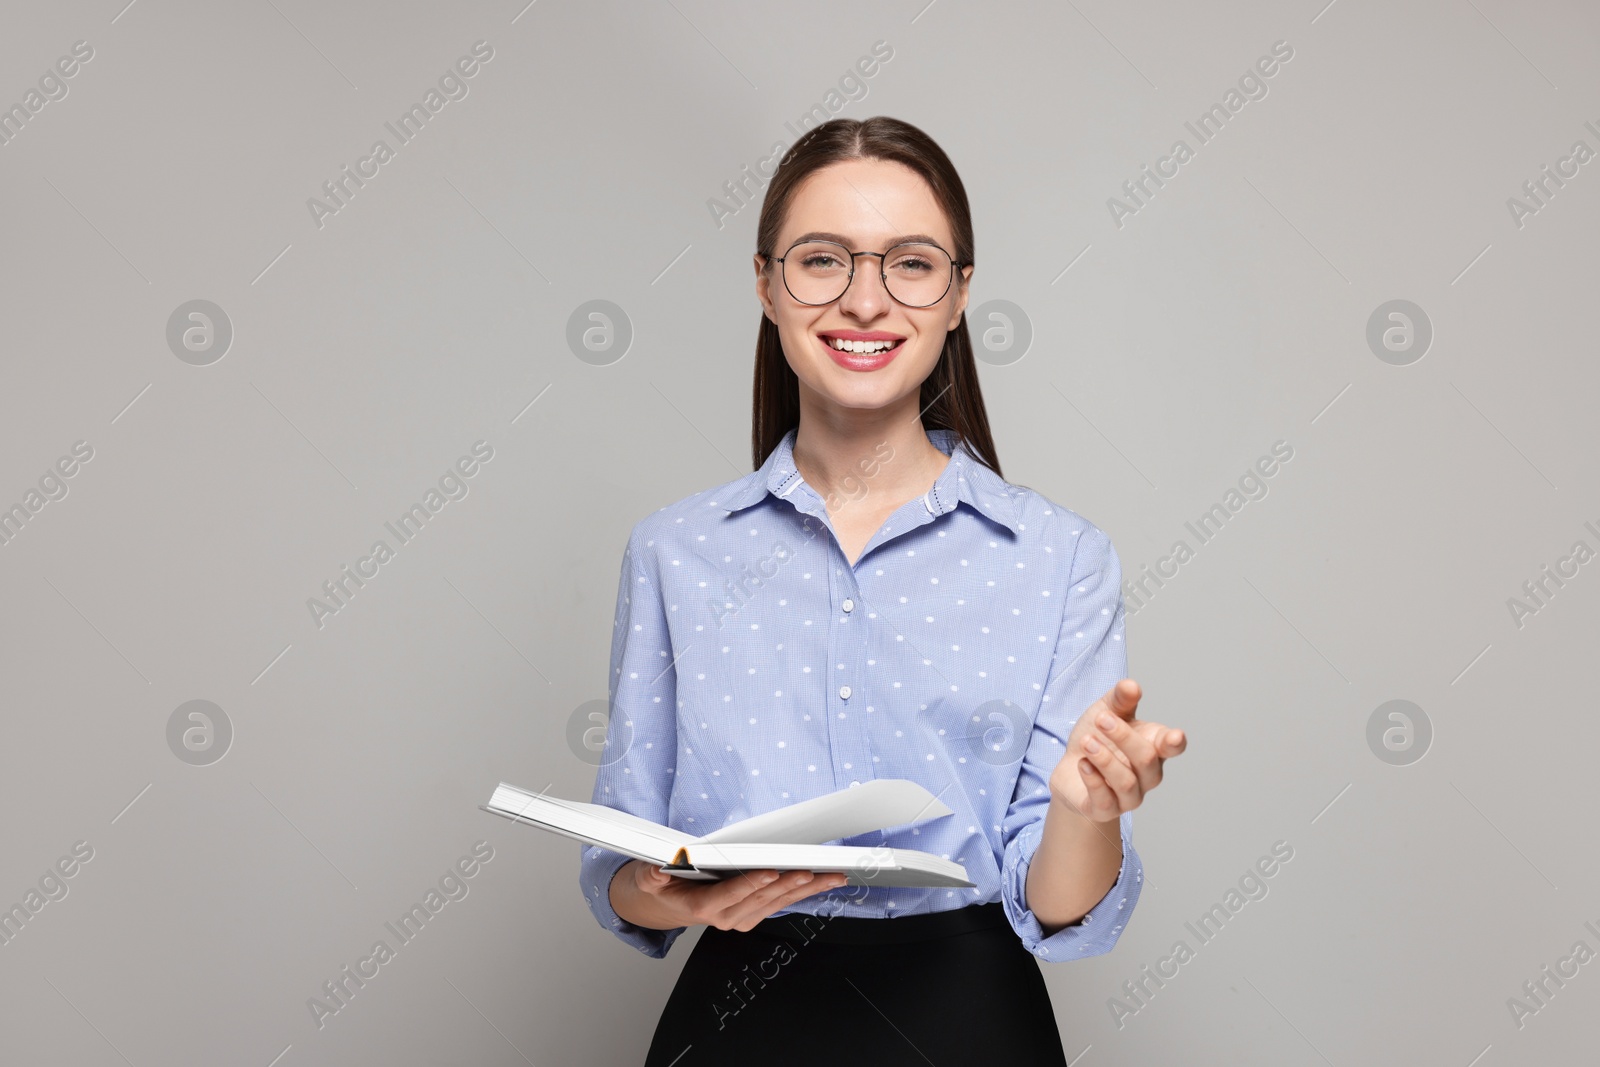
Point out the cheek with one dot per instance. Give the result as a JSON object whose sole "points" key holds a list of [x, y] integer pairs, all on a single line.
{"points": [[798, 343], [930, 342]]}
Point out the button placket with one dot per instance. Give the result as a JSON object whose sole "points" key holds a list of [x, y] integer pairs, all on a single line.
{"points": [[846, 655]]}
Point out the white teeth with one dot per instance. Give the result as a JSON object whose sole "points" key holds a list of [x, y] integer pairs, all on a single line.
{"points": [[861, 346]]}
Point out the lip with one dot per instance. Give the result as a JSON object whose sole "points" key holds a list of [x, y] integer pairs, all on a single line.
{"points": [[860, 361]]}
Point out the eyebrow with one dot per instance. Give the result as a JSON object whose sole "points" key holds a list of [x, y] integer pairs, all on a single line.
{"points": [[837, 238]]}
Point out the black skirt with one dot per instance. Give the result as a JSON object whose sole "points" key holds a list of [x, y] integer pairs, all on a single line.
{"points": [[949, 988]]}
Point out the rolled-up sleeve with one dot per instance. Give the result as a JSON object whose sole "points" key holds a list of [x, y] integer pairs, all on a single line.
{"points": [[1090, 658], [636, 766]]}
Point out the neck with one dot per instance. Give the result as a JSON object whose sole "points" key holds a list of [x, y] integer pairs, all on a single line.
{"points": [[884, 458]]}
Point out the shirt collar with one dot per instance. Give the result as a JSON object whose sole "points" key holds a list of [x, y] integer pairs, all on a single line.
{"points": [[964, 478]]}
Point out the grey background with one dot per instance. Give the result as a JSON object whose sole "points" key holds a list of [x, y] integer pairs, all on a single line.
{"points": [[432, 312]]}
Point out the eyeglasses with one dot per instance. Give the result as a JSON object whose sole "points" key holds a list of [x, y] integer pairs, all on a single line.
{"points": [[915, 274]]}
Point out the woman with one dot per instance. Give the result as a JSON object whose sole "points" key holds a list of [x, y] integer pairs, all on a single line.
{"points": [[874, 601]]}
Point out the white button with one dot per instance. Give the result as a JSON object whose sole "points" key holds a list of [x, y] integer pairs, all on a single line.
{"points": [[849, 605], [853, 782], [844, 692]]}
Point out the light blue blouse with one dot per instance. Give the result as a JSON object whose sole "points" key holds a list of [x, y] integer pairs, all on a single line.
{"points": [[752, 666]]}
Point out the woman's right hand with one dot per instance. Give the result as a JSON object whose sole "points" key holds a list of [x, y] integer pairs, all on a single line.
{"points": [[642, 894]]}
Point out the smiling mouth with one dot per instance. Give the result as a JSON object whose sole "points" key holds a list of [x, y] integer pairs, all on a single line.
{"points": [[874, 347]]}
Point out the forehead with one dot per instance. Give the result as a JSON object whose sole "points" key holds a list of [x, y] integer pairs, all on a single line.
{"points": [[870, 201]]}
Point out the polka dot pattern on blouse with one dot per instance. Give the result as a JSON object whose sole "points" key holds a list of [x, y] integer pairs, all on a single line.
{"points": [[753, 666]]}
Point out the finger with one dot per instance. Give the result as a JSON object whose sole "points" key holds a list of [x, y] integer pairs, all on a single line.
{"points": [[1120, 701], [1101, 737], [651, 876], [773, 890], [1122, 780], [730, 892], [1139, 754], [1101, 799], [1123, 698], [779, 895], [821, 882], [1168, 741]]}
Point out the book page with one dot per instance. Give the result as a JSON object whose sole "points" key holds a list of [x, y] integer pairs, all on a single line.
{"points": [[594, 823], [617, 817], [868, 865], [876, 805]]}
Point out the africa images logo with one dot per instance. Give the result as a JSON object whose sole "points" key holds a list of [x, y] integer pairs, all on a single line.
{"points": [[342, 188]]}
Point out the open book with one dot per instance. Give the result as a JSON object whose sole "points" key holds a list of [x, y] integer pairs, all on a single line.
{"points": [[790, 838]]}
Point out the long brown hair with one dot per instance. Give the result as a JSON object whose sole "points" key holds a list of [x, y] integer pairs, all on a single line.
{"points": [[951, 397]]}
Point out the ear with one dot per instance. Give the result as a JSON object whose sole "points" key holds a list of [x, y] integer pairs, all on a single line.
{"points": [[764, 286], [962, 292]]}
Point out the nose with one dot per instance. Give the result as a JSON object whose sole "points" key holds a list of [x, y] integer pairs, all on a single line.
{"points": [[866, 298]]}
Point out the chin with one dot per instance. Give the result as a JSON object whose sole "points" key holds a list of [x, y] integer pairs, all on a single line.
{"points": [[865, 396]]}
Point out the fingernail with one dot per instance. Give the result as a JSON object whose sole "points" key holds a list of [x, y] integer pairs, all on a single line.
{"points": [[803, 878], [1106, 722], [1091, 745], [767, 878]]}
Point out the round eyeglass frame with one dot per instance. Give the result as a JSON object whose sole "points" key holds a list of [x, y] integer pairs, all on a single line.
{"points": [[882, 274]]}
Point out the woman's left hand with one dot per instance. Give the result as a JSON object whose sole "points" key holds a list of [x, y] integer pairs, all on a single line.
{"points": [[1113, 759]]}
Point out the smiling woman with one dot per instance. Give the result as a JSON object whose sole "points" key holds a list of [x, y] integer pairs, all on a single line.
{"points": [[916, 590]]}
